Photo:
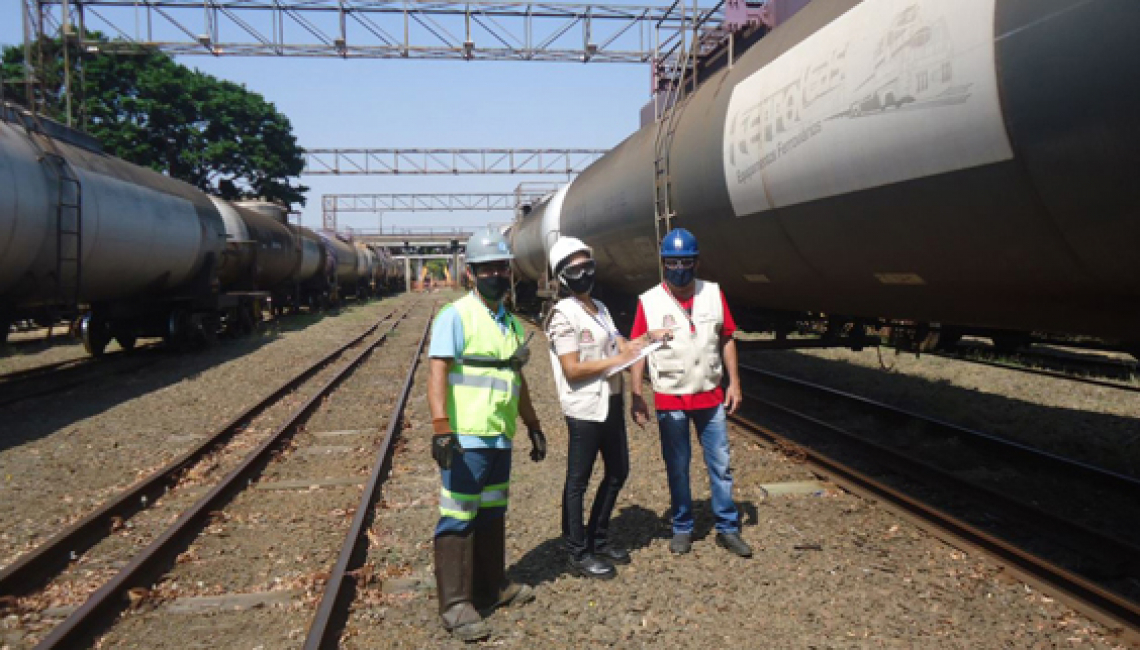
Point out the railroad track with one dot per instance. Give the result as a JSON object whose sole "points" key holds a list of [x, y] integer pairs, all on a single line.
{"points": [[1045, 364], [54, 378], [32, 573], [1083, 564]]}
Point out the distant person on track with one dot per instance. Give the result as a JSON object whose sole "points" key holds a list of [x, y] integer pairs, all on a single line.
{"points": [[584, 346], [686, 374], [476, 392]]}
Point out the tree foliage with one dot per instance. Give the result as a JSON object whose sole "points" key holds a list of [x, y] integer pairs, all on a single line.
{"points": [[146, 108]]}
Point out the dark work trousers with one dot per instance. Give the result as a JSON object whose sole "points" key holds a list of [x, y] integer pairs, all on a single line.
{"points": [[586, 440]]}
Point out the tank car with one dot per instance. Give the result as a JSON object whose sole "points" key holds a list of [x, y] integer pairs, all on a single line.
{"points": [[341, 256], [365, 271], [146, 255], [967, 165], [145, 251]]}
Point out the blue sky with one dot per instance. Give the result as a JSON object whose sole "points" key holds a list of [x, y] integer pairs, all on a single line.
{"points": [[410, 103]]}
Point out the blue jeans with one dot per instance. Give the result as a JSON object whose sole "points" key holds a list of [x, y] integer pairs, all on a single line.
{"points": [[676, 449]]}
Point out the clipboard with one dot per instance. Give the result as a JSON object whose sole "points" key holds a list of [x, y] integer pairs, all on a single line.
{"points": [[652, 347]]}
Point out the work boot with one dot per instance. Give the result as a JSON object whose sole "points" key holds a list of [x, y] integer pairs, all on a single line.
{"points": [[589, 566], [454, 554], [681, 543], [734, 544], [612, 554], [492, 587]]}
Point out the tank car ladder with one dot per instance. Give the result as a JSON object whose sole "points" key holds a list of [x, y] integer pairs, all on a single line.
{"points": [[663, 139], [68, 233], [68, 213]]}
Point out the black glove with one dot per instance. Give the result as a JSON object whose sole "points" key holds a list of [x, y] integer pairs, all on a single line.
{"points": [[537, 444], [442, 446]]}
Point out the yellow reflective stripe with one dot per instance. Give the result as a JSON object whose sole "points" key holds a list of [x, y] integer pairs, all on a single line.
{"points": [[457, 514]]}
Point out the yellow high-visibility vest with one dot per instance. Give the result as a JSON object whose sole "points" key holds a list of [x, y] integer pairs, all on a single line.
{"points": [[482, 400]]}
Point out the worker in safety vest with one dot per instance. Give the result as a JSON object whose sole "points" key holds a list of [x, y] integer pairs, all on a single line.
{"points": [[476, 392], [686, 374]]}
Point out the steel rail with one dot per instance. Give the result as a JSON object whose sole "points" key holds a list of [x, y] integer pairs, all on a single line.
{"points": [[146, 566], [1045, 372], [35, 568], [69, 373], [332, 613], [45, 369], [1087, 597], [104, 605], [1112, 480], [1122, 556]]}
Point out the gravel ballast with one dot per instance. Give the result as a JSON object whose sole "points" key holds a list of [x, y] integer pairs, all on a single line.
{"points": [[830, 569]]}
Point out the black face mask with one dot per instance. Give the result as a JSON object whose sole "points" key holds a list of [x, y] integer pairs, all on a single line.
{"points": [[493, 288], [584, 283]]}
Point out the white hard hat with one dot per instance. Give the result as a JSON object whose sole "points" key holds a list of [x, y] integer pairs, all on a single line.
{"points": [[564, 248]]}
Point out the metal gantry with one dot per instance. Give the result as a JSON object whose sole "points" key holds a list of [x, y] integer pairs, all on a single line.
{"points": [[448, 161], [333, 204], [423, 202], [478, 30]]}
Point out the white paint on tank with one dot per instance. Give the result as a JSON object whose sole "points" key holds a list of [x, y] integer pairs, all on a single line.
{"points": [[890, 91]]}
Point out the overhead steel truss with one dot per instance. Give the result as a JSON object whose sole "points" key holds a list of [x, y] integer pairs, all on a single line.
{"points": [[423, 202], [525, 193], [448, 161], [405, 29]]}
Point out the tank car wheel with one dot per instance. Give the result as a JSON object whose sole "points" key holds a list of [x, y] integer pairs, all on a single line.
{"points": [[5, 329], [208, 335], [126, 341], [179, 327], [94, 333], [247, 321]]}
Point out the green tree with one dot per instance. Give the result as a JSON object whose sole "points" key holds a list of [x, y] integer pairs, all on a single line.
{"points": [[146, 108]]}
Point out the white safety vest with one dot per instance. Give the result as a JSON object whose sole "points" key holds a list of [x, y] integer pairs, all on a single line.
{"points": [[690, 363], [597, 339]]}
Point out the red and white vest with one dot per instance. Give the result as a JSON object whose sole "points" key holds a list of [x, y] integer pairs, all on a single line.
{"points": [[691, 362]]}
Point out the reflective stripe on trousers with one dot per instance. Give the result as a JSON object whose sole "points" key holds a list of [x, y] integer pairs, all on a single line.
{"points": [[476, 488], [466, 506]]}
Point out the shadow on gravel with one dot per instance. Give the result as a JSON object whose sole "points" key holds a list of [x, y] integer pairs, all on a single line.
{"points": [[633, 528], [1104, 439], [704, 520], [42, 416]]}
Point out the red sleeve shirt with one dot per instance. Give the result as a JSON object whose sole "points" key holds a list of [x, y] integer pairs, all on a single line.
{"points": [[707, 399]]}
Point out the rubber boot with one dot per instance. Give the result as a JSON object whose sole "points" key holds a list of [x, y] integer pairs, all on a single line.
{"points": [[492, 588], [454, 555]]}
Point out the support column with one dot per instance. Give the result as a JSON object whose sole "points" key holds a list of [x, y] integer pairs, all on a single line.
{"points": [[407, 275]]}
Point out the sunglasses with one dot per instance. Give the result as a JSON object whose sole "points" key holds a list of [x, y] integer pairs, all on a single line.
{"points": [[684, 263], [489, 270], [578, 270]]}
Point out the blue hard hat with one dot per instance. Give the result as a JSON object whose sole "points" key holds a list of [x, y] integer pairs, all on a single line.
{"points": [[679, 243]]}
